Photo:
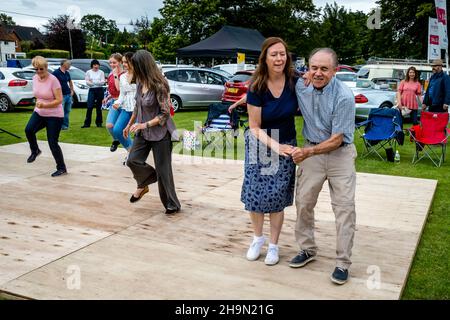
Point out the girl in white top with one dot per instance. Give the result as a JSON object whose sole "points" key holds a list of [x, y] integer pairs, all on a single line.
{"points": [[125, 103]]}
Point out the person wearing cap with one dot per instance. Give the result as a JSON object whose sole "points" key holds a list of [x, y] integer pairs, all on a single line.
{"points": [[437, 96]]}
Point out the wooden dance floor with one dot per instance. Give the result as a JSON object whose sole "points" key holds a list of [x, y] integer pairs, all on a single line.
{"points": [[79, 237]]}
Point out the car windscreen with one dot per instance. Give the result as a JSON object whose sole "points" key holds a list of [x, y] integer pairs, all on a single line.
{"points": [[346, 76], [242, 77], [363, 73], [76, 74], [27, 75]]}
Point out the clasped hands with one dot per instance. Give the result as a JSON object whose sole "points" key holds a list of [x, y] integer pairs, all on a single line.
{"points": [[297, 154]]}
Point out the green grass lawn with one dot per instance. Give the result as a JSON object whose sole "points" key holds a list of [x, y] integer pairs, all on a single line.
{"points": [[430, 274]]}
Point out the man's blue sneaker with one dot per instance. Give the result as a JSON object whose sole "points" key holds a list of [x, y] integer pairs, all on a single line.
{"points": [[339, 276], [301, 259]]}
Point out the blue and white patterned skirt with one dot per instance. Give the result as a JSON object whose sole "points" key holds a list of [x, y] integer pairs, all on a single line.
{"points": [[269, 179]]}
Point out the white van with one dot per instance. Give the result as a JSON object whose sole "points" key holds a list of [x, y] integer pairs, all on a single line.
{"points": [[394, 69]]}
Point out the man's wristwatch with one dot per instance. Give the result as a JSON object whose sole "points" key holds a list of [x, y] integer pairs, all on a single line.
{"points": [[147, 124]]}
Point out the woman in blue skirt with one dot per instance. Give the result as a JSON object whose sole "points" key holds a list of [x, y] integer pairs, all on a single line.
{"points": [[269, 179]]}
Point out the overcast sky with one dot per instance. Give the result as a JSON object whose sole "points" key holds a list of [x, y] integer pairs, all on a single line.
{"points": [[122, 11]]}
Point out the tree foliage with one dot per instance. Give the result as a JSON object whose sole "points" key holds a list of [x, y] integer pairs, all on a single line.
{"points": [[404, 29], [6, 20], [403, 33], [58, 36]]}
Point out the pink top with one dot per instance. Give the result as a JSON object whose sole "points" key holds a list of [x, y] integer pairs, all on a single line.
{"points": [[43, 91], [409, 91]]}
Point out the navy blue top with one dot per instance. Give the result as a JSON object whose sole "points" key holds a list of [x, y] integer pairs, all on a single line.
{"points": [[64, 78], [277, 113], [438, 92]]}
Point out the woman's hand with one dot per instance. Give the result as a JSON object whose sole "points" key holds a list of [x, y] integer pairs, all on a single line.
{"points": [[126, 131], [40, 105], [285, 150], [307, 79], [115, 105], [138, 126], [230, 108]]}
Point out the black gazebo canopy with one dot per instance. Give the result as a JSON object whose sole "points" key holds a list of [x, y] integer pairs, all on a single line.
{"points": [[226, 42]]}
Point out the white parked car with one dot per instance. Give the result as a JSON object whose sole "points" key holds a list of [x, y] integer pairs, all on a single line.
{"points": [[347, 77], [232, 68], [16, 88], [80, 87]]}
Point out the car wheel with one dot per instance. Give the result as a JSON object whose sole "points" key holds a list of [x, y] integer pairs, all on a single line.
{"points": [[176, 103], [5, 103], [386, 105]]}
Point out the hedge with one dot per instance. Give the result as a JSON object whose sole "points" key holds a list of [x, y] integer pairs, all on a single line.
{"points": [[95, 54], [49, 53]]}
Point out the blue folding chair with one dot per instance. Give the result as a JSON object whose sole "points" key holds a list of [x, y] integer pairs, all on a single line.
{"points": [[382, 131]]}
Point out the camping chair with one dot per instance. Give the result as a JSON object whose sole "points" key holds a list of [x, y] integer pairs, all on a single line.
{"points": [[382, 131], [220, 125], [430, 137]]}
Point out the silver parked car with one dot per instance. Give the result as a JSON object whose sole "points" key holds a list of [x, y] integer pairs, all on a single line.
{"points": [[369, 95], [194, 87], [16, 88]]}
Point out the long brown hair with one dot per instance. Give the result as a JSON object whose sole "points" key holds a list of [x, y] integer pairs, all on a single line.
{"points": [[416, 74], [146, 72], [261, 75]]}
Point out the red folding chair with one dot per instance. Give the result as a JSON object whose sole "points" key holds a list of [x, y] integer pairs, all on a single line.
{"points": [[430, 137]]}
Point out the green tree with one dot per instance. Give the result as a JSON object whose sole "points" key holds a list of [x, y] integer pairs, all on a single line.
{"points": [[98, 28], [6, 20], [344, 31], [185, 22], [142, 30], [404, 29]]}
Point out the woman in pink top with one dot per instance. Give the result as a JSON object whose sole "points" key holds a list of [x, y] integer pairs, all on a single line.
{"points": [[48, 113], [409, 93]]}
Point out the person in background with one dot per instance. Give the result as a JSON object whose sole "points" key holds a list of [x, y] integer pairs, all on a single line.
{"points": [[125, 104], [48, 114], [95, 79], [269, 172], [437, 96], [153, 130], [115, 62], [409, 92], [63, 75]]}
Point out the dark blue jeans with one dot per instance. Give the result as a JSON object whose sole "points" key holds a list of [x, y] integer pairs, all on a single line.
{"points": [[95, 97], [413, 116], [53, 125]]}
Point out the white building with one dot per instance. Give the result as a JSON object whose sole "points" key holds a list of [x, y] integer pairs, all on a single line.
{"points": [[7, 46]]}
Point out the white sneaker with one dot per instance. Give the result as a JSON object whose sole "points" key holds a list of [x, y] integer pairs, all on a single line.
{"points": [[272, 257], [254, 251]]}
